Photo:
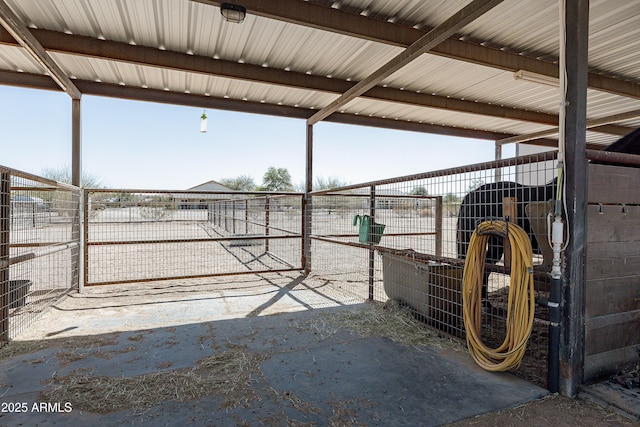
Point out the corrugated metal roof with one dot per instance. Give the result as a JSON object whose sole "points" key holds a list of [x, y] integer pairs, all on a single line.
{"points": [[322, 58]]}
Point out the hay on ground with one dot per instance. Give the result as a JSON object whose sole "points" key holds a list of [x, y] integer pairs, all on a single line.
{"points": [[227, 374], [17, 348], [377, 320]]}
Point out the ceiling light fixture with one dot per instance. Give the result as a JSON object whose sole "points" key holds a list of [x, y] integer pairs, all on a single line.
{"points": [[233, 12], [536, 78]]}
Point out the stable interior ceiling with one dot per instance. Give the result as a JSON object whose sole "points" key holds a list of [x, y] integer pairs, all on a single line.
{"points": [[292, 58]]}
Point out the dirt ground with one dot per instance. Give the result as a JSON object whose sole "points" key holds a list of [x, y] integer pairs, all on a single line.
{"points": [[553, 409]]}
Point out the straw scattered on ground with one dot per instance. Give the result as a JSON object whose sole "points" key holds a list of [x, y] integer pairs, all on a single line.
{"points": [[376, 320], [227, 374], [68, 346]]}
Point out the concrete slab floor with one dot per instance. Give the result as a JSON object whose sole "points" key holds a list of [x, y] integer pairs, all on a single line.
{"points": [[299, 375]]}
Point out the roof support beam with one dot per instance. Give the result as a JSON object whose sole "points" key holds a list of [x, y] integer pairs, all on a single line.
{"points": [[200, 101], [433, 38], [574, 272], [593, 124], [76, 143], [86, 46], [23, 36], [347, 23]]}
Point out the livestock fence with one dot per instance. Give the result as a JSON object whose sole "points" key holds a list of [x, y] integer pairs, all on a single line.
{"points": [[39, 247], [409, 248], [145, 235], [397, 239]]}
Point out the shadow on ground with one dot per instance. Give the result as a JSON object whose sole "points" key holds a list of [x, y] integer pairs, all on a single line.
{"points": [[291, 369]]}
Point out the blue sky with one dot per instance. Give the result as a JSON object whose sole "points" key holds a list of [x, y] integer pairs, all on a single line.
{"points": [[129, 144]]}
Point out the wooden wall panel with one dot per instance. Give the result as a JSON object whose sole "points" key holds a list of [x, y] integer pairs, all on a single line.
{"points": [[611, 296], [605, 333], [613, 223], [607, 267], [612, 311], [608, 363], [602, 186]]}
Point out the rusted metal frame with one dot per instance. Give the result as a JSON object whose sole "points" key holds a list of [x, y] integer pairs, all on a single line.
{"points": [[510, 214], [34, 188], [379, 196], [417, 256], [351, 24], [307, 203], [611, 157], [196, 276], [85, 239], [372, 252], [267, 216], [51, 249], [247, 221], [119, 51], [514, 161], [272, 227], [77, 258], [219, 103], [439, 219], [434, 37], [329, 19], [497, 173], [19, 31], [424, 258], [76, 143], [340, 242], [5, 239], [572, 328], [226, 215], [171, 221], [608, 129], [31, 177], [210, 239], [191, 100], [41, 245], [28, 80], [233, 215], [252, 193], [289, 79], [426, 233], [246, 216]]}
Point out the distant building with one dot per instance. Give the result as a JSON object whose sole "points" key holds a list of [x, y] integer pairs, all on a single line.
{"points": [[392, 200], [200, 196]]}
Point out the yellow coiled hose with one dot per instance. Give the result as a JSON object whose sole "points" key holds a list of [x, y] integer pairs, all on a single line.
{"points": [[521, 303]]}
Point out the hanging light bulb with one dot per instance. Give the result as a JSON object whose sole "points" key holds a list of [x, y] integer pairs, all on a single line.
{"points": [[203, 122]]}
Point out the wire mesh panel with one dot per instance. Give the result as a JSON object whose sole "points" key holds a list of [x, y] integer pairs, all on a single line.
{"points": [[149, 235], [39, 246], [336, 252], [415, 238]]}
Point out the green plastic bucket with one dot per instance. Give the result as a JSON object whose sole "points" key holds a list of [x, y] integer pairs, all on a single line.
{"points": [[368, 233]]}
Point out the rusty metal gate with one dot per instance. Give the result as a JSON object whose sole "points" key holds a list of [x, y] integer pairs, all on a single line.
{"points": [[149, 235], [39, 247]]}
